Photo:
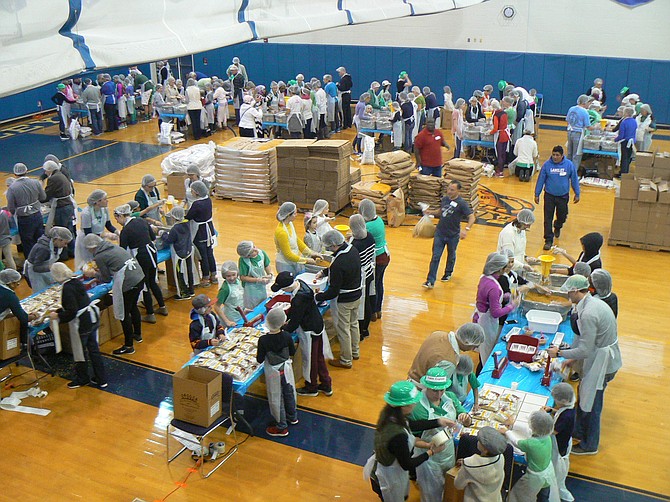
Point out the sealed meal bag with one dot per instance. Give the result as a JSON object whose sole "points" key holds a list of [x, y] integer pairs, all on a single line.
{"points": [[425, 228]]}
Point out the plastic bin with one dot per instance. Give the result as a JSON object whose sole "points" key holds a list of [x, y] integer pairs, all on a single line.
{"points": [[543, 321], [522, 348], [367, 123], [310, 279]]}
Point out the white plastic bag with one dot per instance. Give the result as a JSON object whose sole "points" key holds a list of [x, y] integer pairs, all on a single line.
{"points": [[74, 129], [368, 156], [164, 138]]}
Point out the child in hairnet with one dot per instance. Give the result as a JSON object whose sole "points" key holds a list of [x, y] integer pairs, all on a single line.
{"points": [[255, 273], [312, 239], [563, 413], [320, 214], [181, 241], [231, 295], [481, 476], [464, 377], [274, 351], [205, 330]]}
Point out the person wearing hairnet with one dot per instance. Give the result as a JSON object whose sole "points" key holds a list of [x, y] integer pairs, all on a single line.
{"points": [[255, 273], [312, 239], [192, 175], [464, 379], [147, 196], [501, 137], [275, 350], [540, 479], [646, 126], [376, 227], [598, 348], [590, 254], [626, 139], [457, 124], [44, 253], [9, 302], [194, 107], [138, 237], [364, 242], [94, 218], [62, 103], [238, 81], [578, 123], [320, 212], [489, 303], [513, 238], [292, 252], [527, 155], [58, 190], [6, 248], [205, 329], [83, 318], [204, 234], [435, 402], [481, 475], [180, 240], [601, 281], [345, 283], [388, 468], [442, 348], [230, 298], [563, 413], [24, 198]]}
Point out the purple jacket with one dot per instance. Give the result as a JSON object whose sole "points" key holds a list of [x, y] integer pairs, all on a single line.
{"points": [[489, 297]]}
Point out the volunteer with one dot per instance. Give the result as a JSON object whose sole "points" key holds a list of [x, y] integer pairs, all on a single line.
{"points": [[93, 101], [646, 126], [292, 252], [24, 198], [428, 146], [94, 219], [375, 226], [192, 175], [513, 238], [115, 263], [194, 107], [601, 282], [230, 298], [403, 84], [62, 103], [443, 349], [320, 213], [10, 280], [482, 474], [388, 468], [203, 232], [597, 90], [578, 122], [250, 113], [525, 150], [44, 253], [364, 242], [180, 240], [147, 196], [83, 318], [563, 413], [344, 87], [331, 91], [501, 136], [489, 303], [626, 139], [436, 402], [138, 237], [599, 349], [205, 330], [590, 254], [457, 124], [63, 207], [108, 90], [255, 273]]}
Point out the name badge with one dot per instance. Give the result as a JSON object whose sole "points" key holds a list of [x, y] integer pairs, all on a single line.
{"points": [[437, 138], [453, 203]]}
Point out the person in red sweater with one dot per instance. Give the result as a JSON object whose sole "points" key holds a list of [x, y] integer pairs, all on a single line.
{"points": [[501, 136], [428, 149]]}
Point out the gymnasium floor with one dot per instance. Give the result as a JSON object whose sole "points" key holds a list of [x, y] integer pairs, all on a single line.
{"points": [[110, 445]]}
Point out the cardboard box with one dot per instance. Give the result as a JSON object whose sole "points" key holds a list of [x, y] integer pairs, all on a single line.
{"points": [[644, 159], [619, 231], [644, 172], [451, 494], [637, 235], [445, 120], [661, 172], [655, 237], [629, 186], [197, 395], [175, 185], [622, 209], [10, 344], [662, 160], [664, 197], [647, 193], [640, 212]]}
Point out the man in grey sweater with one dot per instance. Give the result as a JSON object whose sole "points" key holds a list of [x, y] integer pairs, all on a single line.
{"points": [[24, 198], [93, 101], [59, 192]]}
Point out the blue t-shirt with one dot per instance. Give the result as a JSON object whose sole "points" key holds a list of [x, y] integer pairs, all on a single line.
{"points": [[577, 119], [451, 214], [331, 89]]}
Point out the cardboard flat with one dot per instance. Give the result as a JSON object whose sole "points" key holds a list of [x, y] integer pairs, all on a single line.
{"points": [[197, 395]]}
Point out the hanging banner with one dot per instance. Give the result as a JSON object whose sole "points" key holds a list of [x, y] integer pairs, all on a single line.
{"points": [[633, 3]]}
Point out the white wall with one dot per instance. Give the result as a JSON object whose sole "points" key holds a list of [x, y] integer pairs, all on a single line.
{"points": [[578, 27]]}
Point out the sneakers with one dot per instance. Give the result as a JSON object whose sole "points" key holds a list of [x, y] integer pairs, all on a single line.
{"points": [[547, 246], [304, 391], [162, 310], [185, 296], [124, 350], [64, 137], [446, 278], [138, 338], [356, 358], [295, 421], [149, 318], [557, 233], [75, 385], [204, 284], [575, 377], [95, 382], [428, 285], [578, 450], [339, 364], [328, 391], [213, 279], [275, 431]]}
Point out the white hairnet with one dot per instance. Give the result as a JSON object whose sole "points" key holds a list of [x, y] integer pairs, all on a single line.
{"points": [[332, 238], [508, 100], [229, 266], [177, 213], [526, 217], [488, 87], [602, 282], [494, 263], [541, 423], [200, 301], [320, 207], [51, 156], [367, 209], [96, 196], [9, 275], [199, 188], [275, 319], [193, 169], [582, 268], [508, 252], [645, 108], [20, 169], [147, 179], [495, 105], [563, 393], [465, 365], [50, 166], [470, 334], [598, 81], [492, 441], [286, 210], [92, 241], [61, 272], [245, 248], [357, 225], [628, 111], [123, 210], [61, 233], [575, 283], [582, 99]]}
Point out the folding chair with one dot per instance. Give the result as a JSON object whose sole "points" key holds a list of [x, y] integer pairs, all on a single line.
{"points": [[201, 433]]}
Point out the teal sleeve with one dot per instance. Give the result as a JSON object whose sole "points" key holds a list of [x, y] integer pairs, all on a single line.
{"points": [[266, 259], [242, 265], [473, 381], [457, 402], [224, 291]]}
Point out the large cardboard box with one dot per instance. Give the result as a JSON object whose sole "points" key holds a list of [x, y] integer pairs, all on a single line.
{"points": [[175, 185], [644, 159], [661, 172], [644, 172], [619, 230], [647, 192], [197, 395], [662, 160], [655, 235], [629, 186], [637, 234], [664, 192], [10, 345], [640, 212], [451, 494], [622, 209]]}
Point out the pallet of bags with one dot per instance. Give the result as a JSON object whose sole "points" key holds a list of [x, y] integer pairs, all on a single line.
{"points": [[427, 189], [395, 169], [375, 191]]}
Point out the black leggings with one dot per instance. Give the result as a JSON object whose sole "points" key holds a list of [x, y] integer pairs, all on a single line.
{"points": [[149, 270], [207, 261], [132, 321]]}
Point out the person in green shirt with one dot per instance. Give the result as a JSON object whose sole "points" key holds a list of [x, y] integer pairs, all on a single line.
{"points": [[463, 378], [230, 296], [374, 95], [375, 226], [255, 273], [594, 114]]}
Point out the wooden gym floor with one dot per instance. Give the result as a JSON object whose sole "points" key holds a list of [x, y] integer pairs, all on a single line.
{"points": [[98, 445]]}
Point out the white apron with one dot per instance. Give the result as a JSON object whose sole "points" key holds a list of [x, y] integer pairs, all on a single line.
{"points": [[235, 299], [490, 326], [459, 387], [81, 254], [195, 225], [430, 474], [330, 109], [594, 379], [75, 341], [531, 483], [123, 109], [117, 288], [273, 384], [393, 479], [205, 333], [561, 463], [155, 213], [52, 211], [42, 280], [282, 262], [305, 338], [398, 133], [153, 254], [255, 292], [631, 144], [179, 268]]}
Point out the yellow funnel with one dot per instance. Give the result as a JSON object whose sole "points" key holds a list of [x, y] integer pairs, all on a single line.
{"points": [[342, 228], [603, 123], [546, 261]]}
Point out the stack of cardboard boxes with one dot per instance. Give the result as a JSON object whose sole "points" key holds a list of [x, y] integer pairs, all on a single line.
{"points": [[642, 210], [308, 170], [246, 170]]}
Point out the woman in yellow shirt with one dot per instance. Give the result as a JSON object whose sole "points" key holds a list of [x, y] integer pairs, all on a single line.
{"points": [[292, 252]]}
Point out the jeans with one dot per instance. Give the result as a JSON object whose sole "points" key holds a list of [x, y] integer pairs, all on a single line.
{"points": [[147, 266], [89, 342], [587, 425], [287, 408], [318, 370], [110, 114], [626, 157], [207, 261], [30, 228], [348, 332], [194, 115], [501, 154], [379, 287], [573, 144], [559, 205], [432, 171], [439, 242], [64, 217], [132, 321], [96, 121], [409, 127]]}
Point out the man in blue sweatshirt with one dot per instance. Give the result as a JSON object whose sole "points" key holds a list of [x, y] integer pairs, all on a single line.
{"points": [[626, 138], [556, 176]]}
